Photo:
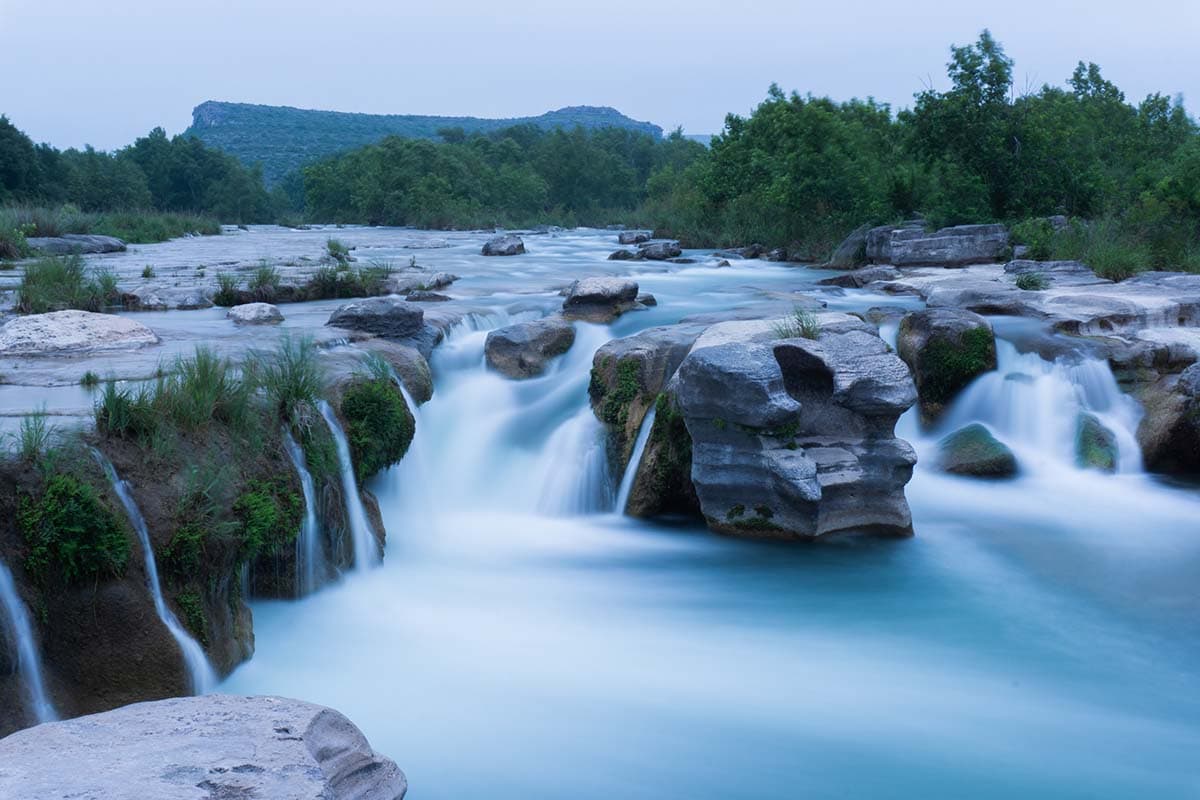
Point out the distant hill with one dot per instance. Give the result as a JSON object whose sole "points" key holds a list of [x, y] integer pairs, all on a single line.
{"points": [[282, 138]]}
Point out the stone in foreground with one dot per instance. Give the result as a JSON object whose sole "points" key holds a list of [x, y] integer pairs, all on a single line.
{"points": [[255, 314], [391, 317], [64, 332], [214, 746], [975, 452], [523, 350], [506, 245]]}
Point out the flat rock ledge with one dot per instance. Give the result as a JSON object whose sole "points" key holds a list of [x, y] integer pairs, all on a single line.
{"points": [[65, 332], [199, 748]]}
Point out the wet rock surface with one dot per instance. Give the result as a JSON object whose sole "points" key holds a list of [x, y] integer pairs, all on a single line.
{"points": [[973, 451], [67, 332], [506, 245], [946, 350], [215, 746], [391, 317], [82, 243], [524, 350]]}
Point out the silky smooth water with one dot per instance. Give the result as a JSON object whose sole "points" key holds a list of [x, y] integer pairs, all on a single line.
{"points": [[200, 672], [15, 618], [1037, 638], [310, 560], [366, 553]]}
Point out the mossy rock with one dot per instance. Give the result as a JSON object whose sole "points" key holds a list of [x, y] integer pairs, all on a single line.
{"points": [[946, 349], [1095, 445], [71, 534], [975, 452], [380, 426]]}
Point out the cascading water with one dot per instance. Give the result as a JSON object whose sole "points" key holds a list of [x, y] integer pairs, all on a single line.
{"points": [[366, 551], [635, 461], [29, 663], [310, 559], [200, 672]]}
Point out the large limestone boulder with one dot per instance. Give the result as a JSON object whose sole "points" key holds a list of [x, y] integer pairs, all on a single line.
{"points": [[83, 243], [660, 251], [795, 438], [949, 247], [391, 317], [255, 314], [975, 452], [523, 350], [600, 298], [946, 349], [214, 746], [877, 245], [852, 252], [1169, 433], [65, 332], [504, 245]]}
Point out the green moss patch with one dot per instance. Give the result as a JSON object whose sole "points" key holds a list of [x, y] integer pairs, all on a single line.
{"points": [[614, 403], [948, 366], [270, 514], [71, 534], [379, 425]]}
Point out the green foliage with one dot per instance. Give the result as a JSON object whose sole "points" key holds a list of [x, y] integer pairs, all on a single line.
{"points": [[147, 271], [33, 437], [799, 325], [192, 608], [1032, 281], [1037, 235], [380, 425], [70, 534], [291, 378], [227, 290], [946, 366], [126, 414], [265, 283], [135, 227], [614, 403], [90, 380], [337, 250], [270, 514], [58, 283]]}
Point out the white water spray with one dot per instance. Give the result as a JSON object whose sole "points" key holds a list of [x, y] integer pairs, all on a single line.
{"points": [[29, 664], [309, 555], [200, 672], [366, 550], [635, 461]]}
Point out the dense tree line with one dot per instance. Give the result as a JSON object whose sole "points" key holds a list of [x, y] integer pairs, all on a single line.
{"points": [[155, 173]]}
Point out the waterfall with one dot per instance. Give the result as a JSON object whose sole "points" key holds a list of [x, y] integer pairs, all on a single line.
{"points": [[366, 549], [29, 664], [200, 672], [309, 555], [635, 461]]}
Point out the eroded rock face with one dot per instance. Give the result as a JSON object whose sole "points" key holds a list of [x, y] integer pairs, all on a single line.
{"points": [[600, 298], [523, 350], [1169, 434], [949, 247], [255, 314], [858, 278], [795, 438], [946, 349], [65, 332], [504, 245], [660, 251], [852, 252], [82, 243], [215, 746], [391, 317], [973, 451]]}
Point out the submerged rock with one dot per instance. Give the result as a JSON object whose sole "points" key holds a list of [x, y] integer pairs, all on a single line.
{"points": [[391, 317], [623, 255], [1095, 445], [524, 349], [63, 332], [946, 349], [255, 314], [214, 746], [504, 245], [82, 243], [974, 451]]}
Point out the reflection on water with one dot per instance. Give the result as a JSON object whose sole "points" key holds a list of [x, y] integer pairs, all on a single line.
{"points": [[1037, 638]]}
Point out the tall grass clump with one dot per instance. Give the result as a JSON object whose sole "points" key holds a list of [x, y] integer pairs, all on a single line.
{"points": [[291, 378], [126, 414], [264, 284], [203, 389], [227, 289], [33, 437], [337, 250], [135, 227], [58, 283], [800, 324]]}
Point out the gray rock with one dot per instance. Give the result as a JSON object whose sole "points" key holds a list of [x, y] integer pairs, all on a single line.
{"points": [[852, 252], [1169, 433], [1056, 273], [1189, 382], [504, 245], [524, 349], [975, 452], [66, 332], [409, 281], [949, 247], [647, 299], [407, 362], [391, 317], [660, 251], [1095, 445], [422, 296], [255, 314], [214, 746], [859, 278], [84, 244], [878, 242], [600, 297], [623, 255], [633, 237], [946, 349]]}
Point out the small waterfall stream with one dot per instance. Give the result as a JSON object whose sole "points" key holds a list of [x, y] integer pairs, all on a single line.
{"points": [[366, 551], [635, 461], [29, 663], [200, 672], [310, 559]]}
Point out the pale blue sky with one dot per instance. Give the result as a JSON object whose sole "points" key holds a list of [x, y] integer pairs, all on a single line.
{"points": [[105, 71]]}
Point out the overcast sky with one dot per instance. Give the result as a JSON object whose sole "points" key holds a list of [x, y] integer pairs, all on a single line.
{"points": [[103, 72]]}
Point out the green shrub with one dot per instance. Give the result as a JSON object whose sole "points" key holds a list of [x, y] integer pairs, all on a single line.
{"points": [[125, 414], [270, 514], [1037, 235], [800, 325], [13, 244], [227, 290], [147, 271], [291, 377], [1106, 246], [380, 425], [614, 403], [89, 380], [337, 250], [265, 283], [1032, 281], [70, 533], [58, 283]]}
